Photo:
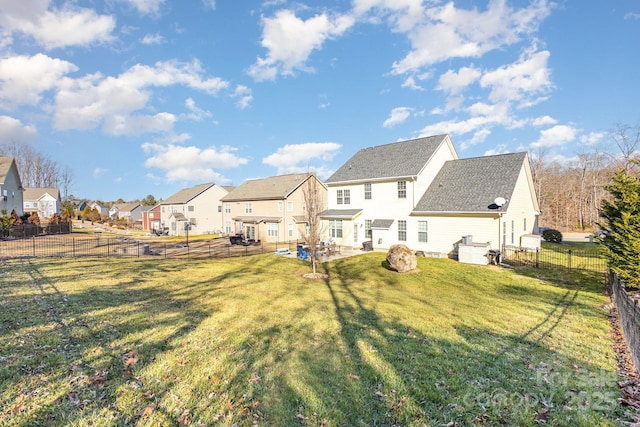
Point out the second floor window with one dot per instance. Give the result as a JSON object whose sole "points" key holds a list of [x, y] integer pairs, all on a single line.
{"points": [[227, 208], [367, 191], [280, 206], [248, 208], [339, 197], [190, 208], [402, 189]]}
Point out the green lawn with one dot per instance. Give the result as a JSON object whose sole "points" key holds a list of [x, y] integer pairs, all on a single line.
{"points": [[248, 341]]}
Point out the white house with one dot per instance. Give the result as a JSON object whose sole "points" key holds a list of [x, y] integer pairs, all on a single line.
{"points": [[198, 208], [10, 187], [378, 186], [45, 201], [419, 193]]}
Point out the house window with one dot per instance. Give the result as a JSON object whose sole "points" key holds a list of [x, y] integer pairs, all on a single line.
{"points": [[227, 227], [347, 197], [422, 231], [513, 231], [402, 189], [227, 208], [190, 208], [504, 233], [402, 230], [335, 228], [339, 196], [219, 208], [367, 191], [289, 206], [290, 230], [272, 229], [248, 208], [525, 224], [367, 229], [355, 232], [163, 209], [280, 206]]}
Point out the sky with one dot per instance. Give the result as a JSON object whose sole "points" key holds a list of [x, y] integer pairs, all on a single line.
{"points": [[147, 97]]}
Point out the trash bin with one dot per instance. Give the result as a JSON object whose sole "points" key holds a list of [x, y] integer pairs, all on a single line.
{"points": [[367, 245]]}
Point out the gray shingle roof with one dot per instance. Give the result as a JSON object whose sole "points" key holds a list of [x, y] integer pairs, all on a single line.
{"points": [[272, 188], [34, 193], [382, 223], [183, 196], [472, 185], [399, 159]]}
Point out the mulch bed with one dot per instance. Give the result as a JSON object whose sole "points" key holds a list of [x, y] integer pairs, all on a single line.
{"points": [[630, 383]]}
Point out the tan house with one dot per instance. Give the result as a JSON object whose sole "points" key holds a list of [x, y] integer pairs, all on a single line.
{"points": [[10, 187], [270, 209], [196, 209]]}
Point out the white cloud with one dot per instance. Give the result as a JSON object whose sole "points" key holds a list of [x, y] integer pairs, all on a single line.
{"points": [[410, 83], [293, 158], [244, 96], [181, 163], [522, 80], [146, 7], [554, 136], [118, 103], [98, 172], [55, 27], [291, 40], [196, 113], [23, 79], [209, 4], [402, 15], [152, 39], [453, 82], [398, 116], [446, 33], [592, 138], [12, 130], [544, 121]]}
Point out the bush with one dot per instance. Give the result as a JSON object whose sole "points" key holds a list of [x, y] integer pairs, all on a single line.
{"points": [[551, 235]]}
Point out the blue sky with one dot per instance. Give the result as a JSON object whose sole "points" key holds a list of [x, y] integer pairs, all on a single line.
{"points": [[143, 97]]}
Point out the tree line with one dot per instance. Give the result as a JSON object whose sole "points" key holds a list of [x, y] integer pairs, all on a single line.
{"points": [[571, 194]]}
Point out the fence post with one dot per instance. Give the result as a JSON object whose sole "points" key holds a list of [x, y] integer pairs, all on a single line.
{"points": [[537, 257], [569, 259], [73, 247], [138, 249], [33, 240]]}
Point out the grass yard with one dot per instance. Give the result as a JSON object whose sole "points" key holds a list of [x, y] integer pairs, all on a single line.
{"points": [[248, 341]]}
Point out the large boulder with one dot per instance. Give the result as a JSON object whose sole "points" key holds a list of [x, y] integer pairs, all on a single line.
{"points": [[401, 259]]}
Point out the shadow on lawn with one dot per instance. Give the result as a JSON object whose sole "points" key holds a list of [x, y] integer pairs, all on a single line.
{"points": [[279, 370]]}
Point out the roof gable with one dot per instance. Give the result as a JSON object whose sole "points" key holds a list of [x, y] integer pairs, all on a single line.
{"points": [[471, 185], [7, 165], [399, 159], [272, 188]]}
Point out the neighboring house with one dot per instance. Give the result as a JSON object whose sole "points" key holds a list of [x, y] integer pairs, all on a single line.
{"points": [[379, 185], [490, 200], [127, 211], [45, 201], [100, 208], [270, 209], [151, 219], [197, 208], [10, 187]]}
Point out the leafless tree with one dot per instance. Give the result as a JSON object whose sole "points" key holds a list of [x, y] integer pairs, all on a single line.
{"points": [[314, 201]]}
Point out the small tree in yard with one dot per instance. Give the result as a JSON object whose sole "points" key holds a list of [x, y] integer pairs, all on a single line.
{"points": [[314, 201], [621, 225]]}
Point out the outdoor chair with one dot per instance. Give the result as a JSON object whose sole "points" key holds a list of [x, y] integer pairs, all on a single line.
{"points": [[302, 254]]}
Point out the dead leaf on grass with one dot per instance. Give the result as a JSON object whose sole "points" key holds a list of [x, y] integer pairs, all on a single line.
{"points": [[183, 418], [73, 398], [146, 411]]}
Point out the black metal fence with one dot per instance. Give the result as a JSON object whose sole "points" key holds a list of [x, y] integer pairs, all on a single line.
{"points": [[29, 230], [64, 246], [628, 315], [560, 257]]}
